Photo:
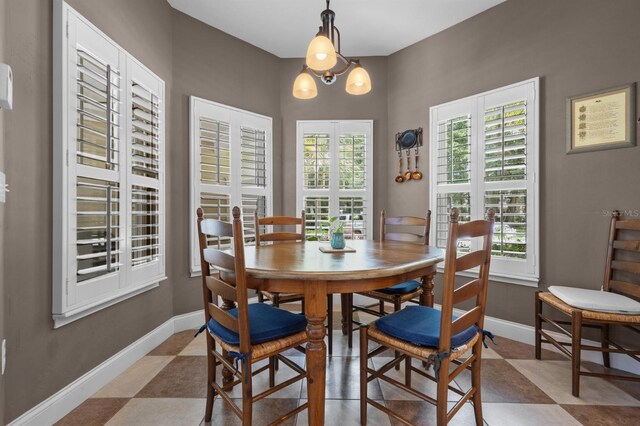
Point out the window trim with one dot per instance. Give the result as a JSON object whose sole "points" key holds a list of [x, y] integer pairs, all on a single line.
{"points": [[478, 188], [64, 124], [334, 192], [194, 170]]}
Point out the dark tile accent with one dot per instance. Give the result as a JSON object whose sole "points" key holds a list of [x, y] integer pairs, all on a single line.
{"points": [[511, 349], [264, 411], [501, 382], [603, 415], [174, 344], [424, 413], [632, 388], [184, 377], [93, 412]]}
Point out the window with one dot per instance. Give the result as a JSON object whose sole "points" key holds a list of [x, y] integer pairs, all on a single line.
{"points": [[334, 164], [484, 154], [230, 166], [108, 171]]}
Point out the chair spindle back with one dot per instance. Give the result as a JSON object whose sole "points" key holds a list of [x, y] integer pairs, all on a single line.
{"points": [[405, 222], [622, 268], [279, 221], [475, 288], [231, 283]]}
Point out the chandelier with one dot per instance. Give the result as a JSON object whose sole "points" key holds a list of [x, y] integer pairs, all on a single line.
{"points": [[321, 61]]}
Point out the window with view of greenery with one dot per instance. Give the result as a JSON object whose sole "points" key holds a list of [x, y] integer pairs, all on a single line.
{"points": [[334, 161], [485, 156]]}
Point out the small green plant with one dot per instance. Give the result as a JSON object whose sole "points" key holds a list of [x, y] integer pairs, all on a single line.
{"points": [[337, 226]]}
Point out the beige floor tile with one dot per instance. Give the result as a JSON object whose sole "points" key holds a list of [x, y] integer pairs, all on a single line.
{"points": [[346, 413], [499, 414], [488, 353], [197, 347], [134, 378], [418, 382], [554, 378], [160, 412]]}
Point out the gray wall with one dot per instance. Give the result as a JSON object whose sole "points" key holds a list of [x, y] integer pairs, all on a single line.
{"points": [[575, 46], [333, 102], [2, 114]]}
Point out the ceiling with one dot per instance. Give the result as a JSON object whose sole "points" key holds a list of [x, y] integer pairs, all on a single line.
{"points": [[368, 27]]}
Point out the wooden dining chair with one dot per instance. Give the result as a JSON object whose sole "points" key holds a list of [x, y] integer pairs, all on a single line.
{"points": [[616, 304], [282, 237], [398, 294], [246, 333], [436, 337]]}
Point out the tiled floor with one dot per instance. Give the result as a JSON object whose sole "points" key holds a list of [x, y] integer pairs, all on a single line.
{"points": [[168, 387]]}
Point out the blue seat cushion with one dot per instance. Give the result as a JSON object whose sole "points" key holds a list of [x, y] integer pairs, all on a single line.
{"points": [[420, 325], [402, 288], [266, 323]]}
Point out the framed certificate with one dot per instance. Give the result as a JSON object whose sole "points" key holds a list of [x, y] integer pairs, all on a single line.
{"points": [[601, 120]]}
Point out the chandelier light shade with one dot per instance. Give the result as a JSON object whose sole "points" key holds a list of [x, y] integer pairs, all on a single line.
{"points": [[358, 81], [321, 55], [304, 87], [322, 60]]}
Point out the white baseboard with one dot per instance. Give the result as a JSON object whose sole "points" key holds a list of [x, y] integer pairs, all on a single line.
{"points": [[65, 400]]}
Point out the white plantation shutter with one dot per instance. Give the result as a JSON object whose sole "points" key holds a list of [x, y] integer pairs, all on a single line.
{"points": [[230, 166], [146, 174], [334, 160], [108, 170], [486, 156]]}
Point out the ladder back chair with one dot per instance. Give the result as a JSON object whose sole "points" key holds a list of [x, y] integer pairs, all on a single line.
{"points": [[246, 333], [437, 337], [616, 304], [282, 237], [403, 292]]}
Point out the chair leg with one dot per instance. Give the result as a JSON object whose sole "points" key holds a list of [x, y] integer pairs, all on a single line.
{"points": [[475, 383], [604, 338], [344, 303], [442, 393], [276, 302], [247, 395], [364, 358], [260, 297], [538, 336], [397, 305], [407, 371], [330, 323], [381, 307], [272, 371], [211, 378], [350, 319], [576, 340]]}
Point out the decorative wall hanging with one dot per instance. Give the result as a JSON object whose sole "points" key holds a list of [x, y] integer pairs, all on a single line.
{"points": [[408, 141], [602, 120]]}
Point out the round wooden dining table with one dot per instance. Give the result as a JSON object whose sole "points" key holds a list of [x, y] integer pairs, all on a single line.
{"points": [[303, 268]]}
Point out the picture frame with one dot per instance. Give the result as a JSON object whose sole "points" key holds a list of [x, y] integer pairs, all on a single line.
{"points": [[601, 120]]}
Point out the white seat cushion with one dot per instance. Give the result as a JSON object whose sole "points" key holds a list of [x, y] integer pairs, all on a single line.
{"points": [[596, 300]]}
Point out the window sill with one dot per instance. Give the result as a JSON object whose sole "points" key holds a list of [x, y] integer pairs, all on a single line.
{"points": [[60, 320], [501, 278]]}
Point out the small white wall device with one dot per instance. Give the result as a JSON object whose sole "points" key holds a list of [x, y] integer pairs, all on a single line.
{"points": [[6, 87]]}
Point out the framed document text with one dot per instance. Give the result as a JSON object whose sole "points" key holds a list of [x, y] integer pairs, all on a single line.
{"points": [[601, 120]]}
